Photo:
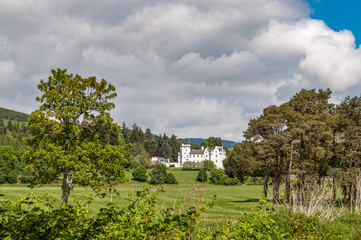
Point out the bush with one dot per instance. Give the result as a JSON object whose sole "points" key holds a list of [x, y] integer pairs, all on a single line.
{"points": [[192, 165], [12, 177], [140, 174], [208, 165], [25, 177], [254, 180], [231, 181], [202, 176], [216, 175], [159, 174], [171, 179]]}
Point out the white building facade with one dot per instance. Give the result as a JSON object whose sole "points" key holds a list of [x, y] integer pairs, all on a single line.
{"points": [[216, 155]]}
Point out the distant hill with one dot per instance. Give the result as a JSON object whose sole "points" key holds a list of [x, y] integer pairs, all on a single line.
{"points": [[198, 141], [13, 115]]}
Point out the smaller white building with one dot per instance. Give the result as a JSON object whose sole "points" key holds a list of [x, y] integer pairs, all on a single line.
{"points": [[163, 160], [216, 155]]}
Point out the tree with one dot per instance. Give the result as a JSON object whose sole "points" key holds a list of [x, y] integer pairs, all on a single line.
{"points": [[244, 161], [311, 123], [212, 142], [269, 129], [208, 165], [171, 179], [159, 174], [140, 174], [139, 156], [66, 134], [157, 153], [10, 166], [216, 175], [202, 175], [347, 167]]}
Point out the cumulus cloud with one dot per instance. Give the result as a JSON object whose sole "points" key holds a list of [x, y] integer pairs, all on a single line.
{"points": [[326, 57], [195, 68]]}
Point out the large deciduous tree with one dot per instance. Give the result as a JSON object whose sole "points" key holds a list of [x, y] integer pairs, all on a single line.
{"points": [[68, 130]]}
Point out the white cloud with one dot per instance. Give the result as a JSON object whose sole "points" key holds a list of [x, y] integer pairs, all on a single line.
{"points": [[328, 58], [192, 68]]}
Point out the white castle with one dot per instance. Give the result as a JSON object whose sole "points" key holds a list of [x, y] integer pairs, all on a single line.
{"points": [[216, 155]]}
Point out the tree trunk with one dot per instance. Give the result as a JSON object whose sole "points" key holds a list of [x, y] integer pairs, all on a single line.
{"points": [[67, 186], [265, 185], [288, 175], [276, 182], [334, 188], [266, 177], [276, 188]]}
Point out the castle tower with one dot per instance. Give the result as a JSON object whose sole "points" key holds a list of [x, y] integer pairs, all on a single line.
{"points": [[183, 155]]}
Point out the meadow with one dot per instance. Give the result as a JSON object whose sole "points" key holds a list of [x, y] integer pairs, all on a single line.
{"points": [[249, 216], [229, 203]]}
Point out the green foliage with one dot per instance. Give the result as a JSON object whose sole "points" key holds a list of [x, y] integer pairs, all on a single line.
{"points": [[139, 156], [140, 174], [13, 115], [192, 165], [158, 175], [253, 181], [202, 175], [10, 166], [23, 219], [208, 165], [216, 175], [161, 146], [212, 142], [171, 179], [230, 181], [68, 134], [242, 161]]}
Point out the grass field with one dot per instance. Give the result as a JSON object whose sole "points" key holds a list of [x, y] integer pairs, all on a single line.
{"points": [[231, 201]]}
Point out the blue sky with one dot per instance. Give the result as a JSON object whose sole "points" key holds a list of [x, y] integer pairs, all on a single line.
{"points": [[339, 15]]}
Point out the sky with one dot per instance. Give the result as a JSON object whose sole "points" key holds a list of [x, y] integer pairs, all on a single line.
{"points": [[338, 15], [192, 68]]}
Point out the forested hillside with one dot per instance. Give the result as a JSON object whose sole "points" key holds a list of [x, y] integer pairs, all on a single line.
{"points": [[13, 115], [142, 145]]}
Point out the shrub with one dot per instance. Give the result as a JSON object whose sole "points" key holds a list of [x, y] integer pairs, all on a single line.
{"points": [[231, 181], [159, 174], [171, 179], [202, 176], [208, 165], [140, 174], [192, 165], [12, 177], [216, 175], [254, 180]]}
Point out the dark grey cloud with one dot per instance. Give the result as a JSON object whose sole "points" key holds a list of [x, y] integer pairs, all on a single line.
{"points": [[194, 68]]}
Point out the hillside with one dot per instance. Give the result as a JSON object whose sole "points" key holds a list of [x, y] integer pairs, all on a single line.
{"points": [[13, 115], [198, 141], [8, 114]]}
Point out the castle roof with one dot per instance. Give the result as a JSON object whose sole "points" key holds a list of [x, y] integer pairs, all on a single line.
{"points": [[196, 151]]}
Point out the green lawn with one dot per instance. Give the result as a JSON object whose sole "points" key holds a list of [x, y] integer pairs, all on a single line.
{"points": [[231, 201]]}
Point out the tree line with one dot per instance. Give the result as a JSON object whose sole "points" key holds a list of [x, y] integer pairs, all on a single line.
{"points": [[144, 145], [307, 137], [12, 147], [13, 115]]}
